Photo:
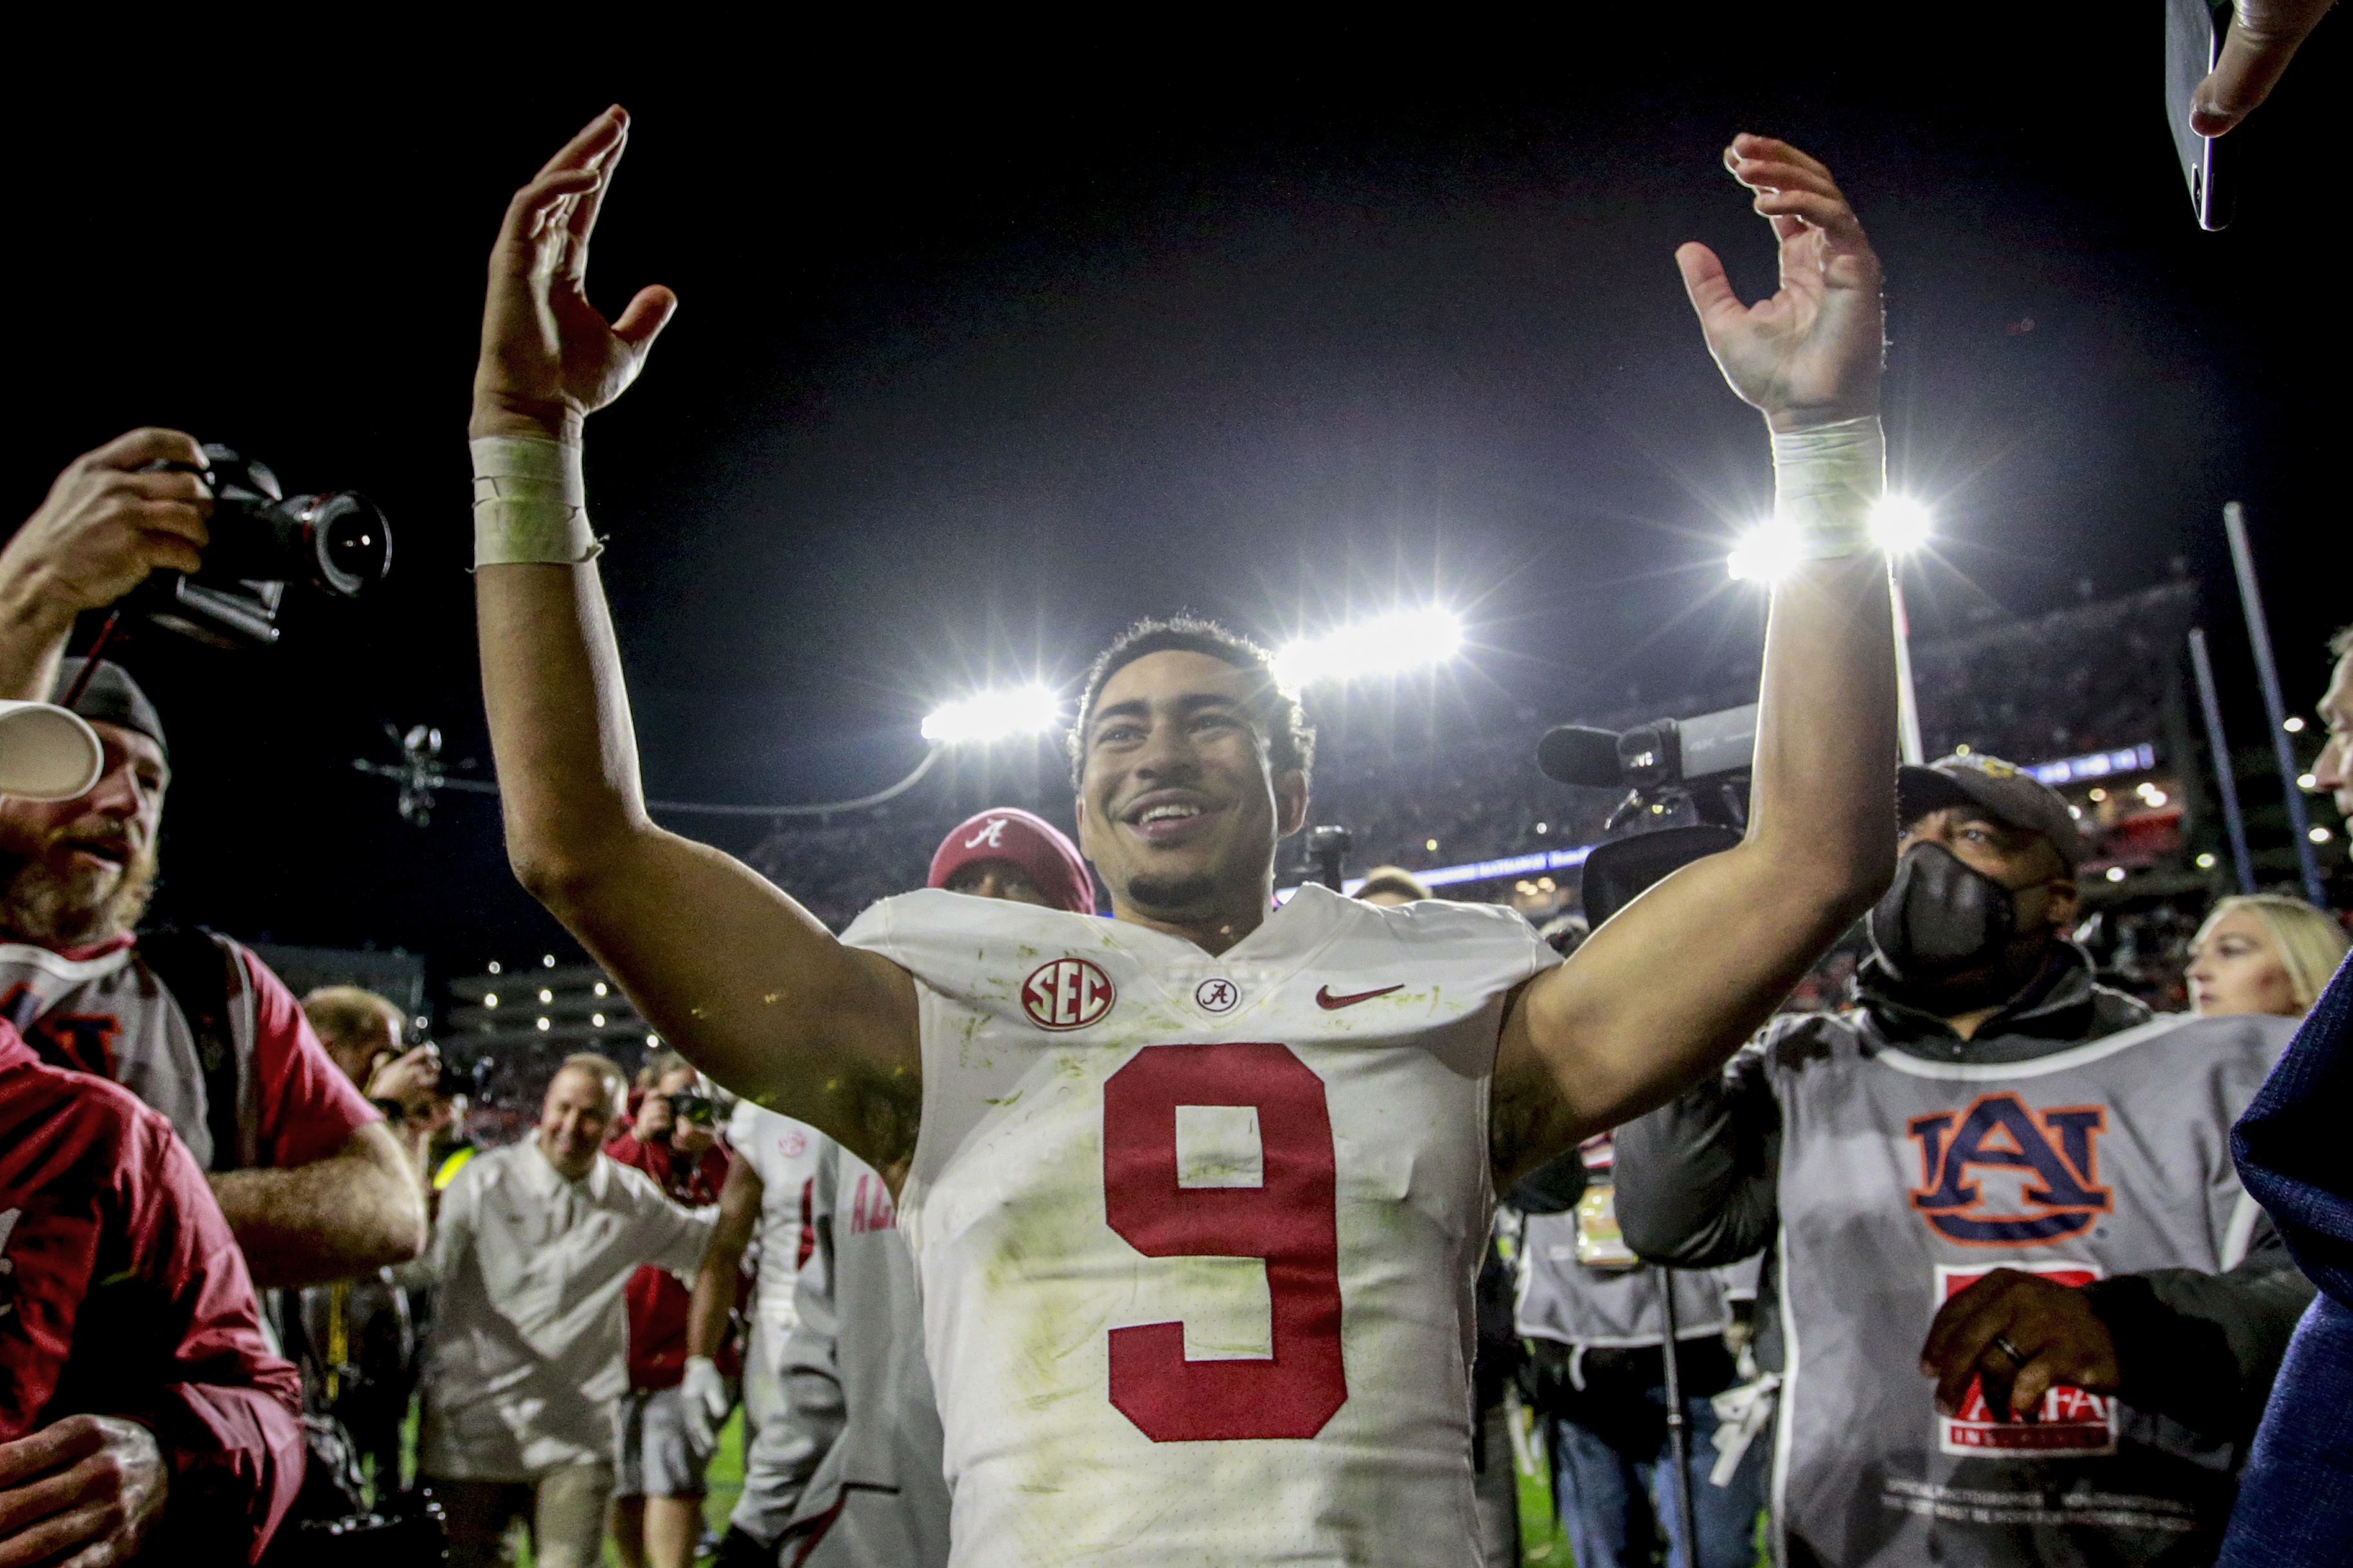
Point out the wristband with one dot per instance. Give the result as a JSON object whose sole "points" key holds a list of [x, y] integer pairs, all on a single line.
{"points": [[530, 502], [1825, 480]]}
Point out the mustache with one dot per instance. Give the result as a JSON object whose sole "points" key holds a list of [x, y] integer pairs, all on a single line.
{"points": [[99, 830]]}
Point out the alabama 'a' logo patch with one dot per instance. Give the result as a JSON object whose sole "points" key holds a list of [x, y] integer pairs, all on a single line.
{"points": [[1066, 994], [2001, 1174]]}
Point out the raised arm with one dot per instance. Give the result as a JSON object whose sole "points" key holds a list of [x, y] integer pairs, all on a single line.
{"points": [[1670, 987], [749, 986]]}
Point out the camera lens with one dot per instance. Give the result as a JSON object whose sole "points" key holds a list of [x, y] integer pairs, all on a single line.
{"points": [[350, 543]]}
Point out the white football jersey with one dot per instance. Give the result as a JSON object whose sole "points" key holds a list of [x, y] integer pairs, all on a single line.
{"points": [[783, 1152], [1196, 1233]]}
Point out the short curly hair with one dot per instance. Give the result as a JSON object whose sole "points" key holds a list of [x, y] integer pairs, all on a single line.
{"points": [[1289, 739]]}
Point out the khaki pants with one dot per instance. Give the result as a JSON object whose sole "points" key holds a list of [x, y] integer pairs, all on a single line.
{"points": [[565, 1506]]}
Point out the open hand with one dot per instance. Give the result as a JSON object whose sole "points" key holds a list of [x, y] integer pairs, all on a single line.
{"points": [[548, 359], [79, 1493], [2051, 1326], [1811, 354]]}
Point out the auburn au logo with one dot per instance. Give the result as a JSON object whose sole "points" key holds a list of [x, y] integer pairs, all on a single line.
{"points": [[2058, 1196]]}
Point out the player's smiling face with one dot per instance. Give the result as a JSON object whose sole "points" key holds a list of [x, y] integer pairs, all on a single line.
{"points": [[1177, 807]]}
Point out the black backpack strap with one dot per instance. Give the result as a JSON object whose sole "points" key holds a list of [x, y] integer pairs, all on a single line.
{"points": [[196, 970]]}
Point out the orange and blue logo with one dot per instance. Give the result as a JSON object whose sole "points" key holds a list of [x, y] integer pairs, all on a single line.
{"points": [[2054, 1193]]}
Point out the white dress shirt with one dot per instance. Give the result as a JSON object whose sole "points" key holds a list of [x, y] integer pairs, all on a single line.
{"points": [[529, 1331]]}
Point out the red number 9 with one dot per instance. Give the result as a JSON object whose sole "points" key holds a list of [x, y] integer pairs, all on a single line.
{"points": [[1292, 1221]]}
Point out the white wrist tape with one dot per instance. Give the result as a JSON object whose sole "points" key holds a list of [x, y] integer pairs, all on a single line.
{"points": [[1825, 482], [530, 503]]}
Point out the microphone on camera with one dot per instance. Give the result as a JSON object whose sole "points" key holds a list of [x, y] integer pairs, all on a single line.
{"points": [[1580, 754]]}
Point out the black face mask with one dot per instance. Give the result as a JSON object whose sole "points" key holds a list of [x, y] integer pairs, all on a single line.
{"points": [[1941, 918]]}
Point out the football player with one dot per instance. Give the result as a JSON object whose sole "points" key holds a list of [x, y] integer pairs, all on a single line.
{"points": [[1195, 1193]]}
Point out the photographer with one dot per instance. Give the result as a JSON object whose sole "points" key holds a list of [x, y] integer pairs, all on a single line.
{"points": [[1993, 1141], [139, 1405], [365, 1036], [313, 1186], [658, 1461]]}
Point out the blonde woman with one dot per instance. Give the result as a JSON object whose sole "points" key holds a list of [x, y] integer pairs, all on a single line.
{"points": [[2263, 952]]}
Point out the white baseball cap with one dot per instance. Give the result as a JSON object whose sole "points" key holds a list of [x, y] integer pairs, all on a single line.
{"points": [[47, 753]]}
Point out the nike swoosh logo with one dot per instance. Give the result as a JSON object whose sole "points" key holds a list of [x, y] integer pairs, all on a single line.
{"points": [[1329, 1003]]}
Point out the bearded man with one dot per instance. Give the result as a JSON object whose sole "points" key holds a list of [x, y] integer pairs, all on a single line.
{"points": [[313, 1186]]}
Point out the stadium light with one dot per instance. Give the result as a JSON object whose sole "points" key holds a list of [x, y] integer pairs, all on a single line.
{"points": [[992, 716], [1385, 645], [1764, 554], [1900, 524]]}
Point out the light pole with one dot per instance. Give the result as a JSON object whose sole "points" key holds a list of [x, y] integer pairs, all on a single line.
{"points": [[977, 719]]}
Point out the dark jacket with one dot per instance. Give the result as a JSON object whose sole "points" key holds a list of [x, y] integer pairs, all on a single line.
{"points": [[1698, 1186], [2296, 1502]]}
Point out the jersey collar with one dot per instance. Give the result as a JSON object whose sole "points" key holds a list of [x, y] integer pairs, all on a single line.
{"points": [[1292, 937]]}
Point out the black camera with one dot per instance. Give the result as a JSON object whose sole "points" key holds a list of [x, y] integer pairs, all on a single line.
{"points": [[1327, 855], [337, 543], [1705, 759]]}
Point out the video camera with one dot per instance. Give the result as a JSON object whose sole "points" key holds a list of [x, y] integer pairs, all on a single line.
{"points": [[1327, 855], [338, 542], [1705, 761]]}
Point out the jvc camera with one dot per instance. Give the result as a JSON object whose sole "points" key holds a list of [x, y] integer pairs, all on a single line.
{"points": [[338, 543], [1706, 759]]}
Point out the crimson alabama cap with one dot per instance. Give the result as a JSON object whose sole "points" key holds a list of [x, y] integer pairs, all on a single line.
{"points": [[1030, 842]]}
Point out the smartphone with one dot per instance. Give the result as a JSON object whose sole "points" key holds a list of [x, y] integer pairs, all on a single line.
{"points": [[2194, 42]]}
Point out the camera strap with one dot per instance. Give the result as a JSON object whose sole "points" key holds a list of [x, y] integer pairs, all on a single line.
{"points": [[194, 969]]}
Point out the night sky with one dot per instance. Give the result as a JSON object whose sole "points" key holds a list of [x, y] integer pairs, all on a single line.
{"points": [[985, 353]]}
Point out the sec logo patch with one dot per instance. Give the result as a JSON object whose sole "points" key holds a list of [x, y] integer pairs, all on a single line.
{"points": [[1066, 994]]}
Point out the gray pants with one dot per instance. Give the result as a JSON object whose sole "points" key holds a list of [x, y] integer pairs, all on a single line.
{"points": [[1495, 1491], [782, 1452], [652, 1456]]}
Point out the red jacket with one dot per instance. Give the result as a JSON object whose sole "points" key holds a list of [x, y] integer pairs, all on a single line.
{"points": [[658, 1303], [122, 1293]]}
